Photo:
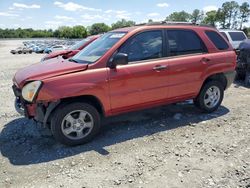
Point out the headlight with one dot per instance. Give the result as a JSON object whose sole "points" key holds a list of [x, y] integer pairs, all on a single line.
{"points": [[30, 90]]}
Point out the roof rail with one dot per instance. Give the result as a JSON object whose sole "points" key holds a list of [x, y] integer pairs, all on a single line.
{"points": [[173, 23]]}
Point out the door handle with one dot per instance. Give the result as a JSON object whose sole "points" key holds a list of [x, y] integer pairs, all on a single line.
{"points": [[160, 67], [204, 59]]}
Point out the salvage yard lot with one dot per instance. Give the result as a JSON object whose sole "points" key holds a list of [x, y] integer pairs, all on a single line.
{"points": [[170, 146]]}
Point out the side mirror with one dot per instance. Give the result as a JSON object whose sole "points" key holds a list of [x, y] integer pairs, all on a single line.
{"points": [[119, 59], [65, 56]]}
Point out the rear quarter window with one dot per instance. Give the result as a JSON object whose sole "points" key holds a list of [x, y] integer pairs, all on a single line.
{"points": [[217, 40]]}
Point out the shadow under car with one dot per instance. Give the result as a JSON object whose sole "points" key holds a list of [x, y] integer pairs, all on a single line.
{"points": [[24, 142]]}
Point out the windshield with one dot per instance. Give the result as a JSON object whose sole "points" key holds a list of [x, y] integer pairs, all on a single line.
{"points": [[98, 48], [79, 44]]}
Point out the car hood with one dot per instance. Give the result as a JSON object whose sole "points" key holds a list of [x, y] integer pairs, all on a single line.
{"points": [[59, 53], [41, 71]]}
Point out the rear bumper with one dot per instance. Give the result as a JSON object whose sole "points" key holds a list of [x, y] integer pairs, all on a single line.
{"points": [[230, 76]]}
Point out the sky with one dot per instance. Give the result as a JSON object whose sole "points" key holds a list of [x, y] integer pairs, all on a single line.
{"points": [[48, 14]]}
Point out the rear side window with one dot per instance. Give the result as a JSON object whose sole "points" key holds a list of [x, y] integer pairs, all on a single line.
{"points": [[224, 35], [182, 42], [237, 36], [218, 41]]}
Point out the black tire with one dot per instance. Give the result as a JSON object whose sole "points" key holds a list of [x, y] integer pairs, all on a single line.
{"points": [[200, 100], [19, 52], [62, 111]]}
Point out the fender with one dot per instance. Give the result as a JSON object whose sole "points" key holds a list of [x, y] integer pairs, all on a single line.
{"points": [[90, 82]]}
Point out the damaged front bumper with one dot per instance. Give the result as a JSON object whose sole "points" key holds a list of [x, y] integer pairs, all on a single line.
{"points": [[39, 112], [19, 102], [19, 107]]}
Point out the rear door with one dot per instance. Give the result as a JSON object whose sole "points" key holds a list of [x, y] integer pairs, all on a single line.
{"points": [[186, 62]]}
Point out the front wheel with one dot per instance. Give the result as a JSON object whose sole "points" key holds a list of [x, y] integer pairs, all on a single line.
{"points": [[75, 123], [210, 97]]}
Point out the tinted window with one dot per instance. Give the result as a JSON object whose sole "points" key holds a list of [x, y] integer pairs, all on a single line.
{"points": [[182, 42], [224, 34], [218, 41], [144, 46], [237, 36]]}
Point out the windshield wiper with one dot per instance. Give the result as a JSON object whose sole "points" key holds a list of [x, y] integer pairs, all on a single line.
{"points": [[73, 60]]}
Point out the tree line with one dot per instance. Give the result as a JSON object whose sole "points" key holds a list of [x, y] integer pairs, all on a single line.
{"points": [[230, 15]]}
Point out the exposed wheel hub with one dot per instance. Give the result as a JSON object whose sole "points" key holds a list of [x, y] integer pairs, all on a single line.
{"points": [[212, 97], [77, 124]]}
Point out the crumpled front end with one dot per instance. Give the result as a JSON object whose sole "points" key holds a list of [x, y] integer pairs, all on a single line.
{"points": [[22, 107]]}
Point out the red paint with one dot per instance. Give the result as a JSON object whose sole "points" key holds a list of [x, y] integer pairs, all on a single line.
{"points": [[134, 86]]}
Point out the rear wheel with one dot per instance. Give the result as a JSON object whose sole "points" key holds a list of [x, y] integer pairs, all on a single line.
{"points": [[75, 123], [210, 97]]}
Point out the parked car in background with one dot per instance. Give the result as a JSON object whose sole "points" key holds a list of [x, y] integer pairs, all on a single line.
{"points": [[67, 53], [39, 49], [126, 70], [47, 49], [234, 37], [21, 50], [56, 48], [243, 62]]}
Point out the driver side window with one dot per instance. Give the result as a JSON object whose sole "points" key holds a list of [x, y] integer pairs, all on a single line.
{"points": [[144, 46]]}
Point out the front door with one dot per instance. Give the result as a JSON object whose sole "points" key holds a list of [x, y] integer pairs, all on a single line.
{"points": [[144, 79]]}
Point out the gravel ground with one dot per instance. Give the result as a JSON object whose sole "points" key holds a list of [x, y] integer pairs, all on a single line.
{"points": [[169, 146]]}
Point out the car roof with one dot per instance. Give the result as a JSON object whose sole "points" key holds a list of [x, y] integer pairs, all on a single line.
{"points": [[164, 26]]}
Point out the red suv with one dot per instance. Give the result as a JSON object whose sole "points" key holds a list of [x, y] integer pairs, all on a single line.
{"points": [[126, 70], [72, 51]]}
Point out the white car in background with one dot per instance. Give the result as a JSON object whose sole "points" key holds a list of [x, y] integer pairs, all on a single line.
{"points": [[58, 47], [234, 37]]}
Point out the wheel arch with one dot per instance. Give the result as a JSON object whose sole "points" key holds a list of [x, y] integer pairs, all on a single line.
{"points": [[90, 99], [217, 77]]}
